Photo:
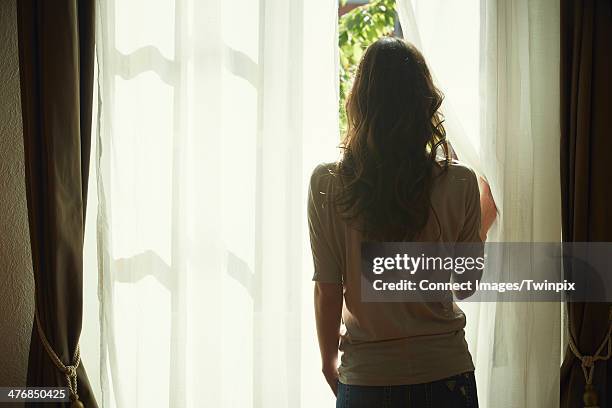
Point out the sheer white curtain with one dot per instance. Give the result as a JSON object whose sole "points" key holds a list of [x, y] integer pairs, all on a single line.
{"points": [[497, 61], [212, 114]]}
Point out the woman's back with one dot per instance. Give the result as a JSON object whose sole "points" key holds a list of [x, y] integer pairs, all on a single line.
{"points": [[392, 343]]}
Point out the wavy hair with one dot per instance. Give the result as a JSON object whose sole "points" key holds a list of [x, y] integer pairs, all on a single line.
{"points": [[394, 133]]}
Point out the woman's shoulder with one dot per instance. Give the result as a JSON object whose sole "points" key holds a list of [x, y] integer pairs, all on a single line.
{"points": [[455, 180], [324, 168], [457, 171], [322, 174]]}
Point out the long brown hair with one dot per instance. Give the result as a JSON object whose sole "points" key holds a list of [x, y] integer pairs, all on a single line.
{"points": [[394, 131]]}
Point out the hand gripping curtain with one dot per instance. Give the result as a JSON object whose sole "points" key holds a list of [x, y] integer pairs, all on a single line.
{"points": [[56, 50]]}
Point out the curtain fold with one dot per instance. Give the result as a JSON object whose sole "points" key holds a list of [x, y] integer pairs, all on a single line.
{"points": [[213, 114], [56, 49], [514, 54], [586, 105]]}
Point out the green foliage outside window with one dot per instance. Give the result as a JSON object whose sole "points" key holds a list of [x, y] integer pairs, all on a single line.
{"points": [[357, 29]]}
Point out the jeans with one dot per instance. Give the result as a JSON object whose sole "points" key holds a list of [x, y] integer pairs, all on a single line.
{"points": [[458, 391]]}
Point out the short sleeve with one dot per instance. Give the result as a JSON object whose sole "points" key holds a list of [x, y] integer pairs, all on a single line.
{"points": [[470, 231], [320, 223]]}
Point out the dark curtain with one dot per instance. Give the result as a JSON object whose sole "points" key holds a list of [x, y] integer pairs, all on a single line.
{"points": [[586, 173], [56, 60]]}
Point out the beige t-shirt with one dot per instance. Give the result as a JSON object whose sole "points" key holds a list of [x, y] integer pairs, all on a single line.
{"points": [[391, 343]]}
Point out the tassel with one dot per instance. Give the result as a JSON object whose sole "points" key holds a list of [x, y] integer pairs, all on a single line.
{"points": [[77, 404], [590, 397]]}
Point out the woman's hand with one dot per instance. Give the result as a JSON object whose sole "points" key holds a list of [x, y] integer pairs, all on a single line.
{"points": [[331, 376], [488, 209]]}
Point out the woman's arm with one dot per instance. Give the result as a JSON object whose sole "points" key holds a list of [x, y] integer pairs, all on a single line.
{"points": [[328, 312], [480, 214], [488, 209]]}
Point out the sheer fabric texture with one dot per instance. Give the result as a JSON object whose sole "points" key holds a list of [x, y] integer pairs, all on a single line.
{"points": [[498, 63], [212, 114]]}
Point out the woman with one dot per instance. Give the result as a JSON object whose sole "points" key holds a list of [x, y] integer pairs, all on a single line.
{"points": [[390, 185]]}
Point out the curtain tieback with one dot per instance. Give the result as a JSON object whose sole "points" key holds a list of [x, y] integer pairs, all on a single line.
{"points": [[590, 397], [70, 371]]}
